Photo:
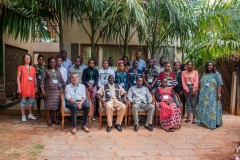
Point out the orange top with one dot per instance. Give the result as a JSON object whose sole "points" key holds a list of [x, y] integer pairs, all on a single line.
{"points": [[27, 81], [190, 77]]}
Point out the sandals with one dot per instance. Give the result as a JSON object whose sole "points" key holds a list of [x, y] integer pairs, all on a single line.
{"points": [[49, 124], [56, 122], [172, 130], [168, 130], [188, 120]]}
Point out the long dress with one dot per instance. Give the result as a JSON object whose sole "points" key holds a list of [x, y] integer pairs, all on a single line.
{"points": [[169, 115], [209, 109]]}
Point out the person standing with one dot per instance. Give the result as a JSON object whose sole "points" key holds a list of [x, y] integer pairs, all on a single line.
{"points": [[104, 73], [90, 80], [179, 88], [190, 81], [77, 100], [111, 64], [126, 63], [161, 67], [133, 73], [61, 68], [140, 98], [141, 63], [27, 85], [167, 73], [96, 65], [109, 94], [121, 76], [150, 75], [76, 69], [39, 69], [67, 63], [83, 66], [209, 114], [51, 83]]}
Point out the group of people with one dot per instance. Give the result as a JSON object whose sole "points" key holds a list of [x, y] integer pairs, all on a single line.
{"points": [[135, 82]]}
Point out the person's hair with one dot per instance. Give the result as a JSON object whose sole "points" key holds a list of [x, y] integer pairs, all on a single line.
{"points": [[49, 59], [134, 61], [127, 60], [121, 63], [63, 52], [138, 51], [139, 77], [161, 58], [104, 61], [182, 67], [78, 57], [206, 67], [176, 63], [59, 56], [23, 58], [109, 58], [166, 63], [90, 60], [40, 56], [74, 73], [150, 59], [111, 75], [193, 67]]}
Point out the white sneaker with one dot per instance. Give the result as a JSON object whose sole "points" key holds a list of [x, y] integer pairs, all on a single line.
{"points": [[30, 116], [24, 118]]}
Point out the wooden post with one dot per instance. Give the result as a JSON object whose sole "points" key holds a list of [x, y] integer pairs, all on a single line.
{"points": [[233, 93], [238, 88]]}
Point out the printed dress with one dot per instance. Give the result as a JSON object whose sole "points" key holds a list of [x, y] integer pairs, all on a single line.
{"points": [[209, 109], [169, 115], [39, 70]]}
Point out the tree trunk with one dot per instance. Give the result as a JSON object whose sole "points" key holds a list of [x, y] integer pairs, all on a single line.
{"points": [[125, 41], [1, 48], [92, 47]]}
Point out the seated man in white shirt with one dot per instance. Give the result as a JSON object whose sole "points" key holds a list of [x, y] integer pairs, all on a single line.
{"points": [[76, 97]]}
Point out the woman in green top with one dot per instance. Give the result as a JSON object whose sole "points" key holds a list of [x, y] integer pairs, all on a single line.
{"points": [[39, 69]]}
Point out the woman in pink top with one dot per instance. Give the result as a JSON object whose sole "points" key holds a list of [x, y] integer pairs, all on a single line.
{"points": [[190, 85], [27, 85]]}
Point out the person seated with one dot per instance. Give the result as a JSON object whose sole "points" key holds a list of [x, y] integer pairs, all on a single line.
{"points": [[109, 95], [170, 113], [140, 98], [76, 100]]}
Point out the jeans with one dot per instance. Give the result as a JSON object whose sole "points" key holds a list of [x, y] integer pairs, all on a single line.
{"points": [[74, 110], [31, 102]]}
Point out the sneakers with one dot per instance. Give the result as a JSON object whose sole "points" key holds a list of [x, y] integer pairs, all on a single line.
{"points": [[24, 118], [30, 116]]}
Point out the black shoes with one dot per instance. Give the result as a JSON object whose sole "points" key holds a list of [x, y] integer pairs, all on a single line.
{"points": [[136, 127], [119, 128], [109, 128], [149, 127]]}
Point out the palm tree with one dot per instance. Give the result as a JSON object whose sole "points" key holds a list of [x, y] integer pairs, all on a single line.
{"points": [[121, 20]]}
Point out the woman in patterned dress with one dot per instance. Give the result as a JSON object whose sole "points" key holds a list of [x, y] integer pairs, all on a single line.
{"points": [[51, 83], [39, 69], [170, 113], [209, 109]]}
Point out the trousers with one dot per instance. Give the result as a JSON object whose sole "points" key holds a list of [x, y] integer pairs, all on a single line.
{"points": [[148, 107], [191, 101]]}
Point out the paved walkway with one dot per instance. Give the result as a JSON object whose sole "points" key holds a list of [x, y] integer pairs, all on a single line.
{"points": [[190, 142]]}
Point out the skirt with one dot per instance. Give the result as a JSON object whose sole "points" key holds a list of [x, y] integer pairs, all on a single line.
{"points": [[53, 98]]}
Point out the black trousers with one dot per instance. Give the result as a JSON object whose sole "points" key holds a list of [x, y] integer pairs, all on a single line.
{"points": [[74, 109]]}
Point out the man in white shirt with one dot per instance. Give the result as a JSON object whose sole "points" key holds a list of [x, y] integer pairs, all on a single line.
{"points": [[111, 64], [104, 73], [76, 97]]}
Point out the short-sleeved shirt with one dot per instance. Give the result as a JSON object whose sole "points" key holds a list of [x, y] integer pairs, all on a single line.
{"points": [[103, 76], [78, 71], [67, 64], [27, 81], [133, 76], [112, 91], [150, 75], [75, 92], [121, 79], [113, 68]]}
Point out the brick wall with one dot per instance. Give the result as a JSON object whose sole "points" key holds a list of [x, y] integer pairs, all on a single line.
{"points": [[2, 91], [13, 57]]}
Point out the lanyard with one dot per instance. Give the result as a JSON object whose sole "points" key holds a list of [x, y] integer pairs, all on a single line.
{"points": [[28, 70], [40, 69], [176, 73], [75, 90], [208, 77], [54, 74], [121, 76], [105, 74], [91, 72], [135, 75], [150, 72], [189, 75], [77, 70]]}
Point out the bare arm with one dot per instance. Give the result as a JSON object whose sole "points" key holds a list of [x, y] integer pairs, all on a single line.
{"points": [[219, 92], [18, 81]]}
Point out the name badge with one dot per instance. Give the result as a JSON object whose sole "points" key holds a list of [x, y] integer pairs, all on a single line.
{"points": [[134, 82], [55, 81], [30, 78], [150, 80], [108, 93], [39, 77], [91, 81], [122, 84], [189, 82], [207, 84], [165, 96]]}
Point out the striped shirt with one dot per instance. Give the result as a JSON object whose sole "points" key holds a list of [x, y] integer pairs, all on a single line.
{"points": [[171, 79]]}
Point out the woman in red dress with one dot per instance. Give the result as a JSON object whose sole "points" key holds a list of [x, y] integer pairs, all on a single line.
{"points": [[170, 113]]}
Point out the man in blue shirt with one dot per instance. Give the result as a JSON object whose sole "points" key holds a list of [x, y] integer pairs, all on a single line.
{"points": [[141, 63], [66, 63]]}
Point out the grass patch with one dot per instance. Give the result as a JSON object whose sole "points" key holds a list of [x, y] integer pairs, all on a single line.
{"points": [[37, 149]]}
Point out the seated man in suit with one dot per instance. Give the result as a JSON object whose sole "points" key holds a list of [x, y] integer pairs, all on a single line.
{"points": [[140, 98], [76, 97], [109, 95]]}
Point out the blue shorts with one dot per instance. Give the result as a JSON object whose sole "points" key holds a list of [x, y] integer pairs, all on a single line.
{"points": [[31, 102]]}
